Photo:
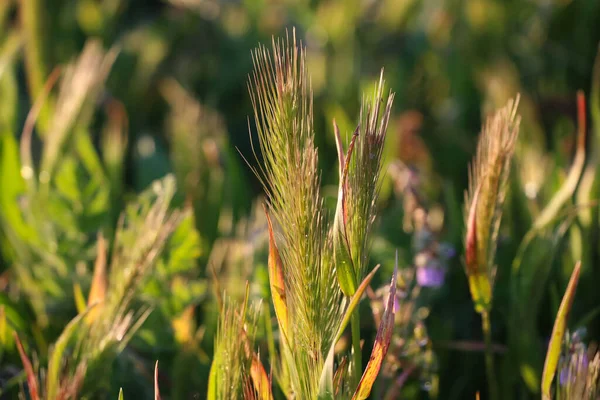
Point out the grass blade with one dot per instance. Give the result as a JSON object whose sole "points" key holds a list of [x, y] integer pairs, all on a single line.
{"points": [[567, 189], [326, 380], [156, 388], [32, 381], [558, 333], [354, 303], [260, 379], [382, 343]]}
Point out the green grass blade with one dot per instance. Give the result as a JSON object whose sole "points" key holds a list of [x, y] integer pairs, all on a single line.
{"points": [[558, 333], [326, 380]]}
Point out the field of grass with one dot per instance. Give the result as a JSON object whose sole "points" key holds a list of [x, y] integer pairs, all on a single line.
{"points": [[292, 199]]}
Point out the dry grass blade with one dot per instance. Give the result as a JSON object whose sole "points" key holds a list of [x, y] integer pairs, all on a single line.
{"points": [[382, 343], [260, 379], [32, 381]]}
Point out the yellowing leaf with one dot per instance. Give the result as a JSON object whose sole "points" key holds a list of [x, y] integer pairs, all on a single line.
{"points": [[558, 333], [382, 343], [276, 281], [260, 379]]}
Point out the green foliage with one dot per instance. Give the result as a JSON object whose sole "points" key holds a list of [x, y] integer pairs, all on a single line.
{"points": [[127, 209]]}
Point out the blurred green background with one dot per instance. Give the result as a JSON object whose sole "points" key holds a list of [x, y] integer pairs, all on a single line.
{"points": [[178, 92]]}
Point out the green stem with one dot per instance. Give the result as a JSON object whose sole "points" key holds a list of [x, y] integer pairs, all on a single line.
{"points": [[357, 352], [489, 356]]}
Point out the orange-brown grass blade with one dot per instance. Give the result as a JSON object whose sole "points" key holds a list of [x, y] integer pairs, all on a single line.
{"points": [[276, 281], [156, 388], [382, 343], [32, 381], [260, 379], [558, 333]]}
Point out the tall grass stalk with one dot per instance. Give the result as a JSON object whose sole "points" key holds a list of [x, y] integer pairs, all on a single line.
{"points": [[312, 263], [483, 213], [282, 99], [360, 180]]}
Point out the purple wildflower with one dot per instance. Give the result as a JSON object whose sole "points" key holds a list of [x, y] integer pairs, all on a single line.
{"points": [[431, 275], [576, 364]]}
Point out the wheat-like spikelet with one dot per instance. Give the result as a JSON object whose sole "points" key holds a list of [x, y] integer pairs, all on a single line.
{"points": [[364, 176], [230, 373], [484, 200], [282, 99]]}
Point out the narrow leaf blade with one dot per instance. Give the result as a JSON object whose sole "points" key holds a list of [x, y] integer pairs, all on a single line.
{"points": [[382, 343], [32, 381], [260, 379], [156, 388], [326, 380], [558, 333]]}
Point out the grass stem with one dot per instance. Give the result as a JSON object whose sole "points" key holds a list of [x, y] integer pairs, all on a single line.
{"points": [[489, 356]]}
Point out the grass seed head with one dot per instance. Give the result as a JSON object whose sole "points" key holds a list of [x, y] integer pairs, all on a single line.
{"points": [[484, 200]]}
